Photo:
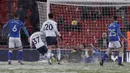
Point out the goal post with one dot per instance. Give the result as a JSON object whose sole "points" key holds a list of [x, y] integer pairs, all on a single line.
{"points": [[86, 21]]}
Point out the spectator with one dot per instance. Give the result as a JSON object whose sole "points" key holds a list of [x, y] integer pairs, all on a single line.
{"points": [[106, 11], [23, 14], [95, 15], [61, 20], [85, 12], [103, 41], [34, 17]]}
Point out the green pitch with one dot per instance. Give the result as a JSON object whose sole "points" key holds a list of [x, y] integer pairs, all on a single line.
{"points": [[40, 67]]}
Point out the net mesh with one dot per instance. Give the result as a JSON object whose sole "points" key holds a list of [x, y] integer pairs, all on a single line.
{"points": [[86, 22]]}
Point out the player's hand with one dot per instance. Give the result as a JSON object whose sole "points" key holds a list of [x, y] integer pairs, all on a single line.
{"points": [[61, 38], [91, 44]]}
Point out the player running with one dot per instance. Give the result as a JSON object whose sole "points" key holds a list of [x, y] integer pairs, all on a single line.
{"points": [[39, 40], [114, 41], [50, 29], [14, 27]]}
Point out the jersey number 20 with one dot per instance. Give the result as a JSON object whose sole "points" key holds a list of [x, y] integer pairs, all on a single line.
{"points": [[48, 26]]}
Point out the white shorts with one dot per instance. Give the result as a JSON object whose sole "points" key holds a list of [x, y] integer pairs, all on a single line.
{"points": [[15, 42], [115, 44]]}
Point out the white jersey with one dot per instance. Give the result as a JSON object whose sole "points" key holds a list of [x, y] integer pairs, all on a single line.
{"points": [[50, 28], [36, 39]]}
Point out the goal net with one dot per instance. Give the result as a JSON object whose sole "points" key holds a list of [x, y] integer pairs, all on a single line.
{"points": [[86, 21]]}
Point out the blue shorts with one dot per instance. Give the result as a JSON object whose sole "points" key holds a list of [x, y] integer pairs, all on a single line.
{"points": [[51, 40]]}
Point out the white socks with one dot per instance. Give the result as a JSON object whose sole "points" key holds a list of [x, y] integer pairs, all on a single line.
{"points": [[58, 54]]}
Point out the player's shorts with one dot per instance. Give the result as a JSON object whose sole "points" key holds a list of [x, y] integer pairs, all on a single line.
{"points": [[15, 42], [115, 44], [42, 50], [51, 40]]}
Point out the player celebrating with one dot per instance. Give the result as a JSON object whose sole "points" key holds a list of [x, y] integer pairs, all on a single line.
{"points": [[50, 29], [14, 27], [39, 40], [114, 41]]}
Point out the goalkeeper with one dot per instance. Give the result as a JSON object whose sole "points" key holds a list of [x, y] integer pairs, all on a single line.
{"points": [[91, 55]]}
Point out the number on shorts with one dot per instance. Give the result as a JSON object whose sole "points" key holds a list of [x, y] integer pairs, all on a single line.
{"points": [[36, 40]]}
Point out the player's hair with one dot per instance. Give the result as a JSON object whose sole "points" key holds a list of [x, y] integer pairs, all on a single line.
{"points": [[50, 15], [16, 15], [115, 18]]}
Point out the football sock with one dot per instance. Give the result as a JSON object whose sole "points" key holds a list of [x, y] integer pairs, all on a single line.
{"points": [[48, 54], [119, 59], [20, 54], [58, 54], [9, 55], [104, 57]]}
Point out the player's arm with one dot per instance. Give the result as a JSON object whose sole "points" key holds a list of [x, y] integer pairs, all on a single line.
{"points": [[26, 32], [57, 32], [24, 29], [30, 41], [94, 48], [119, 32], [4, 27], [43, 28]]}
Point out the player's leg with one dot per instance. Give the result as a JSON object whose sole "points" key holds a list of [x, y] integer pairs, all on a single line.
{"points": [[18, 44], [119, 45], [58, 54], [11, 46], [55, 42], [20, 52], [9, 56], [120, 57], [106, 55], [49, 56], [43, 50], [50, 42]]}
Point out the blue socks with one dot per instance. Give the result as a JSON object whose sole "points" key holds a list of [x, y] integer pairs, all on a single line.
{"points": [[119, 60], [20, 54], [104, 57], [9, 55]]}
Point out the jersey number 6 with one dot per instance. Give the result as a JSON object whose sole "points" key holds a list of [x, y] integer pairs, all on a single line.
{"points": [[14, 28]]}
